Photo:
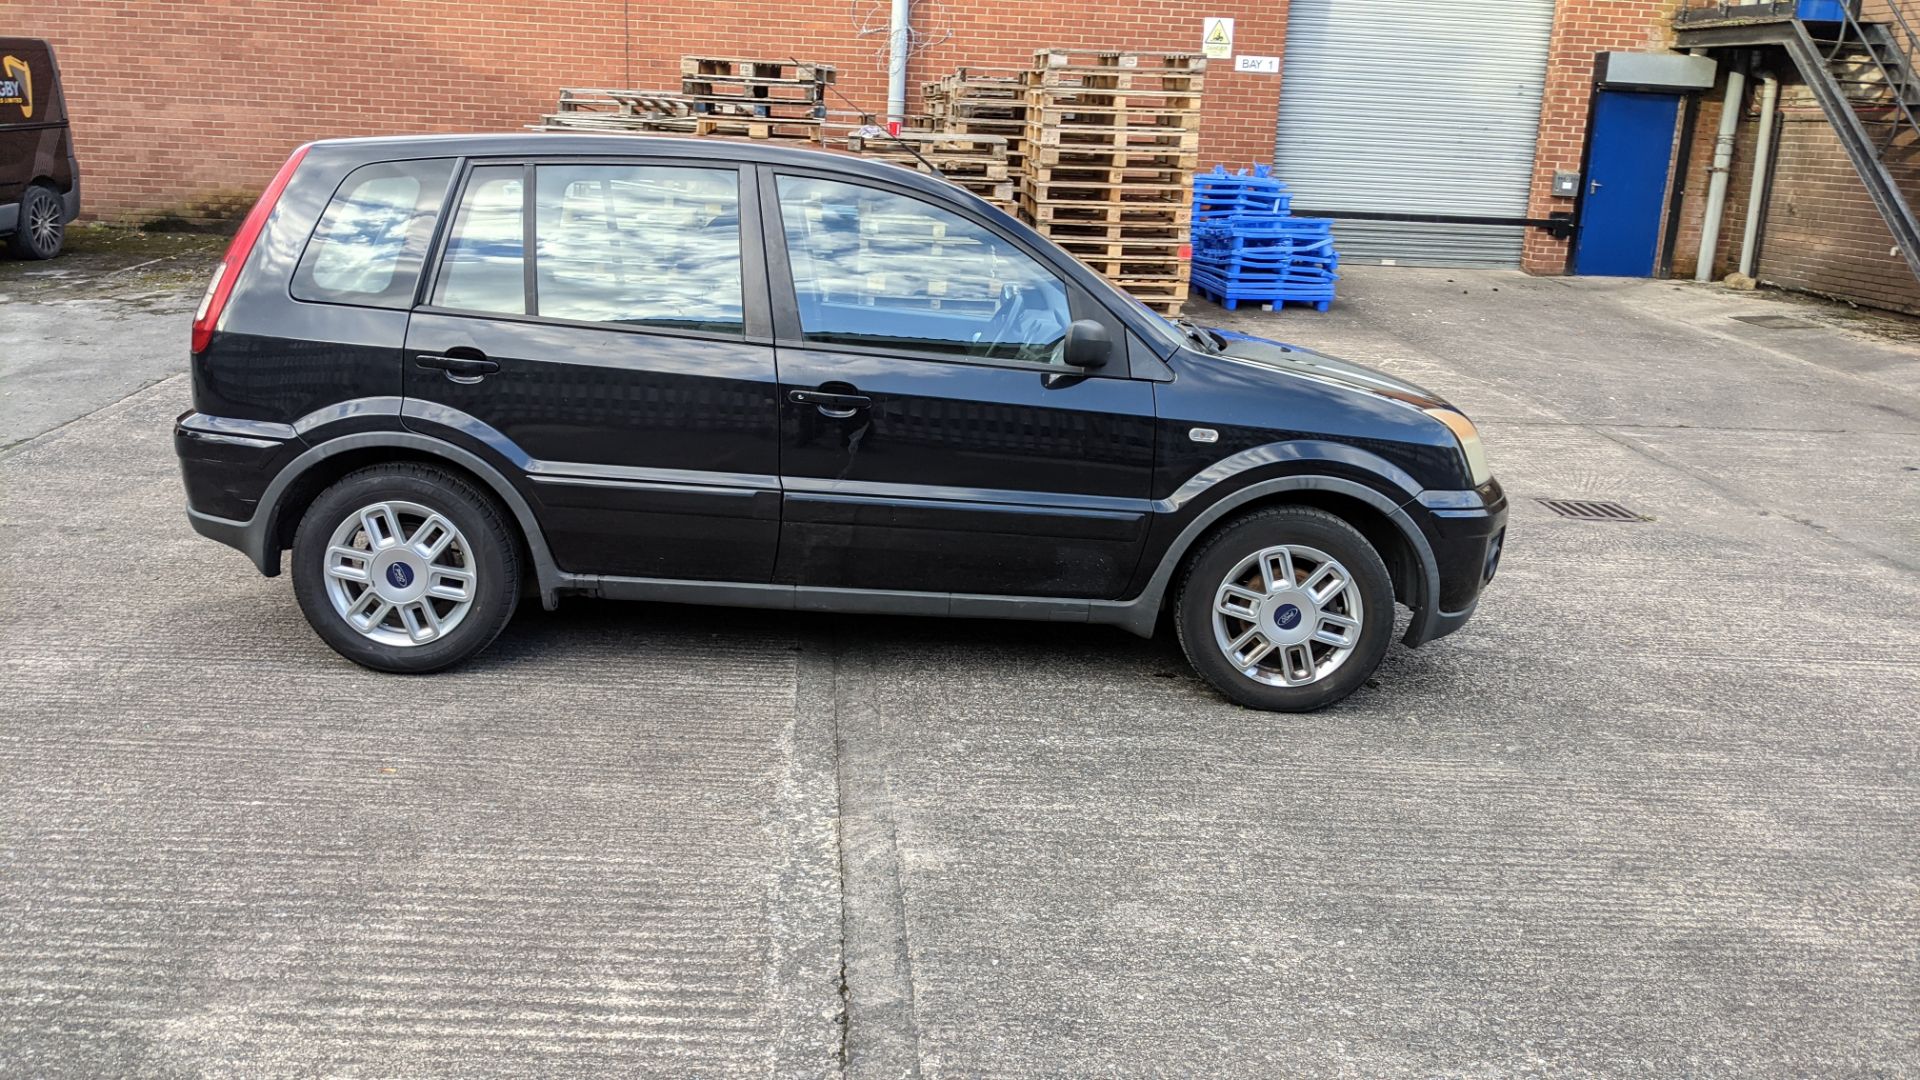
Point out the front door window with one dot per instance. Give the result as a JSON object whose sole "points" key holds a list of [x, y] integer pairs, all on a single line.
{"points": [[876, 269]]}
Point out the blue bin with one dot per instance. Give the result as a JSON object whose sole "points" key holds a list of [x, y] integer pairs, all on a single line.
{"points": [[1821, 10]]}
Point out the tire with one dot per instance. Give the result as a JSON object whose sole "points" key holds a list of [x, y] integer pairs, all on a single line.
{"points": [[1321, 551], [42, 226], [423, 626]]}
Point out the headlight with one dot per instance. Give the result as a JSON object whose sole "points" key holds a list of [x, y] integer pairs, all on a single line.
{"points": [[1469, 437]]}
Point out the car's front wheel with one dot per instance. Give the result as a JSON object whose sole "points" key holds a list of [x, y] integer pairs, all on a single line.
{"points": [[405, 568], [1288, 609]]}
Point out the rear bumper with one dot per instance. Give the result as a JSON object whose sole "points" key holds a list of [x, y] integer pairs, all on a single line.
{"points": [[1467, 531], [227, 466]]}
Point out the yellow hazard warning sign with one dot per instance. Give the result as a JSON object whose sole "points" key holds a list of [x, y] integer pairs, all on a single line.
{"points": [[1216, 38]]}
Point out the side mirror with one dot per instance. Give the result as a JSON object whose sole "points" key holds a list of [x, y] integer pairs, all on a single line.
{"points": [[1088, 345]]}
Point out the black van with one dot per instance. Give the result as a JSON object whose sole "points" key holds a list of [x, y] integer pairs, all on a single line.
{"points": [[39, 177]]}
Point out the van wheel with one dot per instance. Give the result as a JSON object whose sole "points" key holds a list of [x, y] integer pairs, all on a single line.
{"points": [[405, 568], [1288, 609], [42, 225]]}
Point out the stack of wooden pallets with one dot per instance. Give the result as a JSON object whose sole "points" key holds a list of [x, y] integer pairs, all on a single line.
{"points": [[975, 162], [760, 99], [1111, 145], [982, 101], [619, 110]]}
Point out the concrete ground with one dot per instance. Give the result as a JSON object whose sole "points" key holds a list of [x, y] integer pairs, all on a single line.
{"points": [[1654, 813]]}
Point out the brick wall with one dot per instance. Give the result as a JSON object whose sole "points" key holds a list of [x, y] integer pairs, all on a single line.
{"points": [[1821, 232], [1581, 28], [188, 106]]}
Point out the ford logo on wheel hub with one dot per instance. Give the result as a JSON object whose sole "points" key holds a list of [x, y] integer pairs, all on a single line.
{"points": [[399, 575], [1287, 617]]}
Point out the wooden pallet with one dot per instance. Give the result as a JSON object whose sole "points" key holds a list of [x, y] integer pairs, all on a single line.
{"points": [[757, 70], [755, 97], [805, 95], [613, 122], [624, 102], [1107, 174], [1080, 232], [595, 109], [982, 101], [1128, 192], [932, 144], [1133, 139], [1120, 82], [979, 163], [1108, 212], [1115, 59], [750, 128]]}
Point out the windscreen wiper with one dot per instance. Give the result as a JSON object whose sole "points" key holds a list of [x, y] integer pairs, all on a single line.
{"points": [[1199, 335]]}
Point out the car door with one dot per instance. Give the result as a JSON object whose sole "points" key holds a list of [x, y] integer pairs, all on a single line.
{"points": [[932, 439], [601, 328]]}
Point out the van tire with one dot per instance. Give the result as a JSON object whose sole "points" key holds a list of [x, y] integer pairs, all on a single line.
{"points": [[42, 226]]}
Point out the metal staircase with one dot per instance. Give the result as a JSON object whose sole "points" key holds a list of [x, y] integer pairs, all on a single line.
{"points": [[1862, 72]]}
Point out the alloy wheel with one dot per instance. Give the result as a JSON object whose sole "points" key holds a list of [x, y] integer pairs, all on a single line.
{"points": [[1288, 615], [400, 573], [44, 225]]}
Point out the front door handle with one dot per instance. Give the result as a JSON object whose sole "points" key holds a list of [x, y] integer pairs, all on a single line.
{"points": [[460, 369], [835, 406]]}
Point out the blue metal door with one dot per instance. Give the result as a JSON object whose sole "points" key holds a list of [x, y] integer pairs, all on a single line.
{"points": [[1626, 183]]}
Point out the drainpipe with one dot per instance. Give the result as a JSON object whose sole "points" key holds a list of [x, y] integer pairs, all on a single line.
{"points": [[899, 38], [1722, 162], [1762, 164]]}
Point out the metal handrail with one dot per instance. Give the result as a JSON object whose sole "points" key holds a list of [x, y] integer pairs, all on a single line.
{"points": [[1896, 87]]}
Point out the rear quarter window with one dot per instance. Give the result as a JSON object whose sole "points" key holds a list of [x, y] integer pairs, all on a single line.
{"points": [[372, 239]]}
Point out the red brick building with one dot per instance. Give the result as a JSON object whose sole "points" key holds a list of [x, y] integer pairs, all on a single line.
{"points": [[185, 107]]}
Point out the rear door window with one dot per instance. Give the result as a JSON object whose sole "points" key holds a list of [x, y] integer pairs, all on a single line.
{"points": [[484, 268], [373, 237], [652, 246]]}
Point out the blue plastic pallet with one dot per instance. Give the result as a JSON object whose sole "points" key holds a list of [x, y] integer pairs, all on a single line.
{"points": [[1248, 246], [1232, 300]]}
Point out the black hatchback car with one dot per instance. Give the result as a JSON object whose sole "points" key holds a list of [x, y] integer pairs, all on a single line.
{"points": [[447, 371]]}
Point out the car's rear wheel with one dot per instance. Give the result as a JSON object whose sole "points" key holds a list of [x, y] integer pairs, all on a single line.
{"points": [[405, 568], [1288, 609], [42, 225]]}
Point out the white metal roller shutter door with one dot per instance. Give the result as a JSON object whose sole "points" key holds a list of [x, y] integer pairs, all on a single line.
{"points": [[1414, 107]]}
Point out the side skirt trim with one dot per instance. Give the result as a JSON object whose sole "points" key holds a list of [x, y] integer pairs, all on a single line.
{"points": [[861, 601]]}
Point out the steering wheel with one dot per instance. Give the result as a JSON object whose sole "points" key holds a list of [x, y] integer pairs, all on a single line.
{"points": [[1013, 301]]}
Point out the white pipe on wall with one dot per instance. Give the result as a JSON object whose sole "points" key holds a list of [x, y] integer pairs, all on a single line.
{"points": [[899, 40], [1762, 164], [1722, 162]]}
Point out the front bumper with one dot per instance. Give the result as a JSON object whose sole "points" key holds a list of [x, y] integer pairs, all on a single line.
{"points": [[1467, 531]]}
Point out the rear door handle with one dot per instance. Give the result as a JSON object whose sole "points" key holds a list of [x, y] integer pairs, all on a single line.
{"points": [[837, 406], [460, 369]]}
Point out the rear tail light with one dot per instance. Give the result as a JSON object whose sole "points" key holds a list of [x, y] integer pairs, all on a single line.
{"points": [[225, 274]]}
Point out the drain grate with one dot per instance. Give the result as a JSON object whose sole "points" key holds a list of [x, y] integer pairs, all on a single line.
{"points": [[1776, 322], [1590, 510]]}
